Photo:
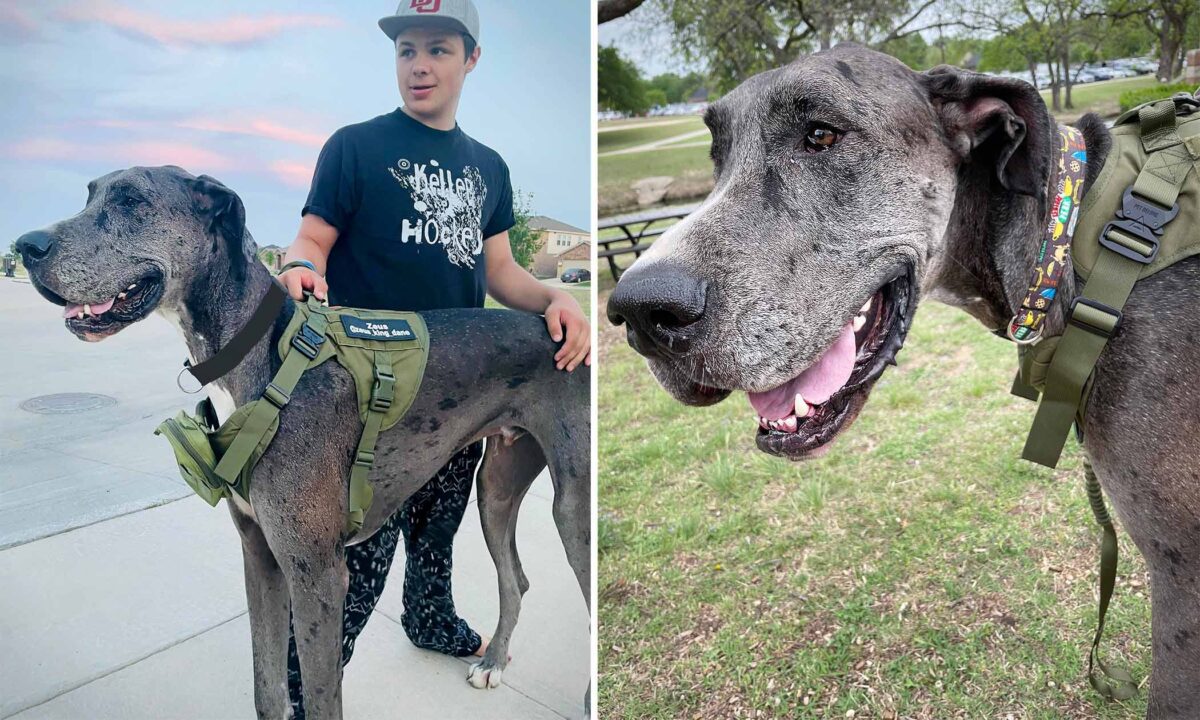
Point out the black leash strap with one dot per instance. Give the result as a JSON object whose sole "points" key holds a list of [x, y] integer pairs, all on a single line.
{"points": [[228, 357]]}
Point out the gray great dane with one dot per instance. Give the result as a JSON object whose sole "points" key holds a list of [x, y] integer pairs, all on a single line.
{"points": [[847, 186], [160, 240]]}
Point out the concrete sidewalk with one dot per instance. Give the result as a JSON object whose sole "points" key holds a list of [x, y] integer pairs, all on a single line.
{"points": [[121, 593]]}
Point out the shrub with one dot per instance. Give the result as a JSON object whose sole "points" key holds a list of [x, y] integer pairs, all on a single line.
{"points": [[1133, 98]]}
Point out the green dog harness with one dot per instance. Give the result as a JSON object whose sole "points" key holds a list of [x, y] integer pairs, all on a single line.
{"points": [[1121, 237], [385, 353]]}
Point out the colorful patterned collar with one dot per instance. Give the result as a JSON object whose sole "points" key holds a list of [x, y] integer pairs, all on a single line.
{"points": [[1053, 255]]}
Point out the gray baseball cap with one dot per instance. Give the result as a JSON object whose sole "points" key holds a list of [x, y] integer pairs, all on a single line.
{"points": [[458, 14]]}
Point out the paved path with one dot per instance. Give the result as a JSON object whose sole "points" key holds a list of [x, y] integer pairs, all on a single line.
{"points": [[121, 594], [661, 144]]}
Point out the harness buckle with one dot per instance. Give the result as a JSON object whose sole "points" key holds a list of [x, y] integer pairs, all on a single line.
{"points": [[1094, 317], [276, 396], [383, 391], [308, 341], [366, 458], [1146, 212], [1141, 248]]}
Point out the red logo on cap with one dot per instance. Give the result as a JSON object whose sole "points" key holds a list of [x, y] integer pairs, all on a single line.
{"points": [[426, 6]]}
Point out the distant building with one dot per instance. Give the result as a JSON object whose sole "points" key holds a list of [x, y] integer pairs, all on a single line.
{"points": [[555, 240], [579, 256], [272, 257]]}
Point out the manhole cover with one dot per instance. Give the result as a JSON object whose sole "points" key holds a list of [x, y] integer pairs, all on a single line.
{"points": [[66, 403]]}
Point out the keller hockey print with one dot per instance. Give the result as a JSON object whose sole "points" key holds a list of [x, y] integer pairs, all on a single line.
{"points": [[450, 208]]}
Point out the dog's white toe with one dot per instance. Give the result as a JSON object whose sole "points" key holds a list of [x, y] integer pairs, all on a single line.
{"points": [[482, 677]]}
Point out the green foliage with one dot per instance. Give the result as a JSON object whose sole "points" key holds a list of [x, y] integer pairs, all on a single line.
{"points": [[738, 38], [677, 88], [655, 97], [620, 83], [523, 239], [1133, 98], [911, 50]]}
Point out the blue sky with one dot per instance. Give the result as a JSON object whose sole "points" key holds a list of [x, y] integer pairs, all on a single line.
{"points": [[248, 90]]}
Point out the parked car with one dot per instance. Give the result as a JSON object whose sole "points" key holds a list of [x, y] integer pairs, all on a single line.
{"points": [[576, 275]]}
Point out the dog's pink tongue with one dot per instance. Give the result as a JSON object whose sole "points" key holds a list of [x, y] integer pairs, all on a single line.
{"points": [[816, 384], [77, 310]]}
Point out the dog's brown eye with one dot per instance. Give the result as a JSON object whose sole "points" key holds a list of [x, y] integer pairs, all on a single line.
{"points": [[820, 139]]}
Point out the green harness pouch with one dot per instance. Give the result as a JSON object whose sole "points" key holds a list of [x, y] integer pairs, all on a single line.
{"points": [[384, 351]]}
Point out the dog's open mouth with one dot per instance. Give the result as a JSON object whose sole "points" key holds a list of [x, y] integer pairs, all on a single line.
{"points": [[799, 418], [98, 317]]}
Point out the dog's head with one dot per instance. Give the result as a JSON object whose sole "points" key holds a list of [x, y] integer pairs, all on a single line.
{"points": [[797, 278], [144, 239]]}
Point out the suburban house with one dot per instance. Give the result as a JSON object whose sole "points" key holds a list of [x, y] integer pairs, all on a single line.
{"points": [[562, 246]]}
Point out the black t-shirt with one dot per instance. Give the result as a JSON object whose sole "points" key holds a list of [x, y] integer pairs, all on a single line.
{"points": [[412, 206]]}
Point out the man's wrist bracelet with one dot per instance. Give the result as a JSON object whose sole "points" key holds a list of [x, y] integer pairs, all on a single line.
{"points": [[297, 263]]}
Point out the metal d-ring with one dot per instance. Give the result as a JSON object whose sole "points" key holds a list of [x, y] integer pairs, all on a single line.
{"points": [[178, 382], [1034, 337]]}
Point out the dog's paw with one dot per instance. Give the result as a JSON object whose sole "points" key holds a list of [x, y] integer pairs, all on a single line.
{"points": [[481, 676]]}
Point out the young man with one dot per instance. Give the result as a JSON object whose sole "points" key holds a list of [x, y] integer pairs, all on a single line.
{"points": [[406, 212]]}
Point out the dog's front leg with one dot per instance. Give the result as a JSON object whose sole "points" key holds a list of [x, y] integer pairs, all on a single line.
{"points": [[267, 598], [1175, 634], [317, 579]]}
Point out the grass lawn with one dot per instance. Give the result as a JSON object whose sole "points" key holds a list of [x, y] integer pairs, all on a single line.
{"points": [[620, 139], [1102, 97], [919, 570]]}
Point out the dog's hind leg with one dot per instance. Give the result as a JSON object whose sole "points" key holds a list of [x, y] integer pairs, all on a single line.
{"points": [[508, 469], [573, 511], [267, 598]]}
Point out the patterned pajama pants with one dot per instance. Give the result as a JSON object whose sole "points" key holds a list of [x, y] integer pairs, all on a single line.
{"points": [[428, 521]]}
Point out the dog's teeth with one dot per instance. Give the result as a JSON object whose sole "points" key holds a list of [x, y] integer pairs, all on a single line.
{"points": [[87, 310], [762, 422], [867, 305], [131, 286], [774, 424], [859, 321], [788, 423], [801, 406], [121, 296]]}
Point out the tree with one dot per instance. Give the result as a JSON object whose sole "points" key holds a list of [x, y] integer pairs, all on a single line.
{"points": [[613, 9], [1168, 19], [655, 97], [524, 240], [737, 38], [620, 83]]}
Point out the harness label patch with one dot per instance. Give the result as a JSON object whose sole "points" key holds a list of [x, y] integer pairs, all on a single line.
{"points": [[378, 328]]}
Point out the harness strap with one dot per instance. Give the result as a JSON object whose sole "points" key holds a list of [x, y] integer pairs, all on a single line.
{"points": [[1128, 245], [383, 392], [1117, 683], [277, 394]]}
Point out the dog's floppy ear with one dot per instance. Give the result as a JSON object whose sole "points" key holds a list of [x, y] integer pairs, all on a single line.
{"points": [[996, 120], [226, 220]]}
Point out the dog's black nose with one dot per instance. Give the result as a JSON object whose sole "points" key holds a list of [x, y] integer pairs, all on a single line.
{"points": [[661, 303], [34, 246]]}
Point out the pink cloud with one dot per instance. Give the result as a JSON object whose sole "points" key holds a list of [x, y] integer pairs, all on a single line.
{"points": [[15, 21], [257, 128], [293, 174], [192, 158], [230, 30]]}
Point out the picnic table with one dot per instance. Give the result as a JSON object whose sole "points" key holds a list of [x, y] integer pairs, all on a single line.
{"points": [[638, 231]]}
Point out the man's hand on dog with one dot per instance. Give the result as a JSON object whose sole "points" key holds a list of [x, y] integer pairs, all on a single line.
{"points": [[564, 312], [299, 279]]}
